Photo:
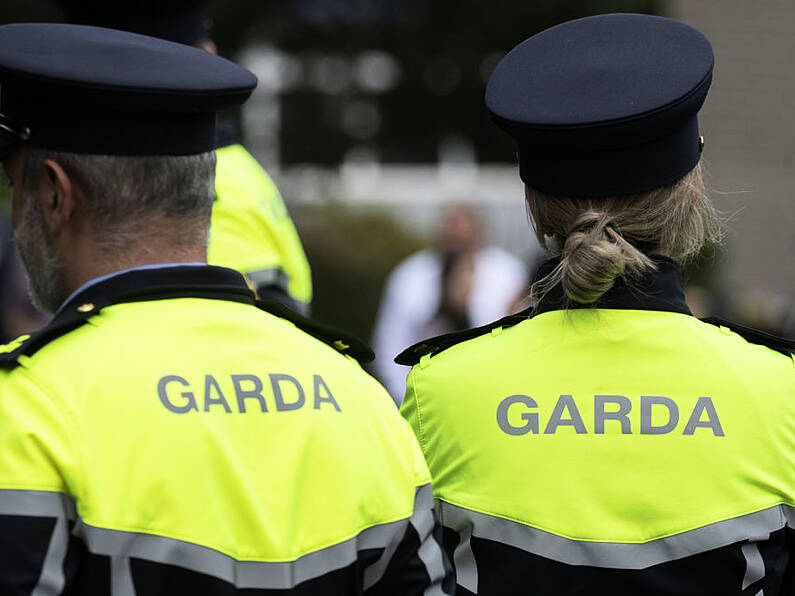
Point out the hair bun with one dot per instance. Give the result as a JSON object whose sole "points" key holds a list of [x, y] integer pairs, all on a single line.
{"points": [[594, 255]]}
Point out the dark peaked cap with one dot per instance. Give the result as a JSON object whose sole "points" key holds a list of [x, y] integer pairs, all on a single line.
{"points": [[604, 105], [93, 90]]}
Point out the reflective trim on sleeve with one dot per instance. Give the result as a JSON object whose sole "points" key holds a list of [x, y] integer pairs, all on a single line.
{"points": [[423, 499], [38, 503], [616, 555], [52, 579], [430, 551], [121, 579], [754, 563], [466, 568], [274, 276], [375, 571]]}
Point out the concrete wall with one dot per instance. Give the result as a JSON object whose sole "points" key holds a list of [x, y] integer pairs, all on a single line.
{"points": [[749, 126]]}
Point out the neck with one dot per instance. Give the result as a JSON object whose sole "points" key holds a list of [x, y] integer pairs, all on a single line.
{"points": [[87, 263]]}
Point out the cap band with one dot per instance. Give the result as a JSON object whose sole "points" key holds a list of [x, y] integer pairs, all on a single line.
{"points": [[65, 126], [612, 172]]}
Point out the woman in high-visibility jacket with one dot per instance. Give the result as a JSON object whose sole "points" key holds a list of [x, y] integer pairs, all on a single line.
{"points": [[607, 441]]}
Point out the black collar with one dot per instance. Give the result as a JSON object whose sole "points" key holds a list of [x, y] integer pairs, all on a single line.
{"points": [[197, 281], [659, 290], [656, 290], [184, 281]]}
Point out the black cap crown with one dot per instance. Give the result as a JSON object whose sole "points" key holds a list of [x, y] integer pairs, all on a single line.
{"points": [[604, 105], [93, 90]]}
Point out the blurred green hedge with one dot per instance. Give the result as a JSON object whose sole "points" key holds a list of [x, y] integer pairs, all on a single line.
{"points": [[351, 252]]}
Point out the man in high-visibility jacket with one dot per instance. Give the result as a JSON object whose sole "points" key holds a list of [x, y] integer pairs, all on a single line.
{"points": [[167, 433], [251, 230], [608, 442]]}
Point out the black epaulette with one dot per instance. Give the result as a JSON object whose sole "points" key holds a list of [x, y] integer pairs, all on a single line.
{"points": [[435, 345], [779, 344], [29, 344], [342, 341]]}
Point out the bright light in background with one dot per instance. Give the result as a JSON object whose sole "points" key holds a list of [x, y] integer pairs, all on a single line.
{"points": [[376, 72], [458, 167]]}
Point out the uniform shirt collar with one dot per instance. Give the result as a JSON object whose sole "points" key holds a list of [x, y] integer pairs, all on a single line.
{"points": [[102, 278], [656, 290]]}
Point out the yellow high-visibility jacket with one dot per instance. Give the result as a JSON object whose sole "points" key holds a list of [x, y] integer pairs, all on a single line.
{"points": [[251, 230], [626, 449], [164, 435]]}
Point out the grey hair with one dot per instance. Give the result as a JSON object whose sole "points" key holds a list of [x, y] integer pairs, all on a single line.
{"points": [[600, 240], [124, 192]]}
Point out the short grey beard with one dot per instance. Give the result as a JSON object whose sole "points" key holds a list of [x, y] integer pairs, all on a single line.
{"points": [[45, 274]]}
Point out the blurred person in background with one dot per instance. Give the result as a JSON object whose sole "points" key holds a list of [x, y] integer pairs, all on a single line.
{"points": [[167, 433], [459, 283], [608, 441], [251, 230]]}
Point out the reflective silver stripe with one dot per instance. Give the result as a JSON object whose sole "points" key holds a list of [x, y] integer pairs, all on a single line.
{"points": [[40, 503], [466, 569], [36, 503], [374, 572], [121, 581], [52, 579], [121, 546], [422, 521], [616, 555], [242, 574], [754, 563], [274, 276], [789, 513], [430, 551]]}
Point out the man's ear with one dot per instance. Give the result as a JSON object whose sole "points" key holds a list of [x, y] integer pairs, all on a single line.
{"points": [[58, 196]]}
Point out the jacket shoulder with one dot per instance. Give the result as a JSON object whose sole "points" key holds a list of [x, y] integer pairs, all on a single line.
{"points": [[342, 341], [435, 345], [779, 344], [29, 344]]}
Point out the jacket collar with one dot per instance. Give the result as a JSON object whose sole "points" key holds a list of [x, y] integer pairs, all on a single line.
{"points": [[200, 281], [656, 290]]}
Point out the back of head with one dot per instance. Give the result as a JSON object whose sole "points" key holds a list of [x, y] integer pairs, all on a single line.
{"points": [[132, 198], [120, 128], [604, 113], [601, 240]]}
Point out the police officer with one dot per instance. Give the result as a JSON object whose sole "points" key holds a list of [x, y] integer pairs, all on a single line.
{"points": [[250, 230], [608, 442], [166, 434]]}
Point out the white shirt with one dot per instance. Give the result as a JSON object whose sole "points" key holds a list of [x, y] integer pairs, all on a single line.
{"points": [[411, 298]]}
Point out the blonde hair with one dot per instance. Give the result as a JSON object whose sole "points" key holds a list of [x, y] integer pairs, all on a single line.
{"points": [[601, 239]]}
